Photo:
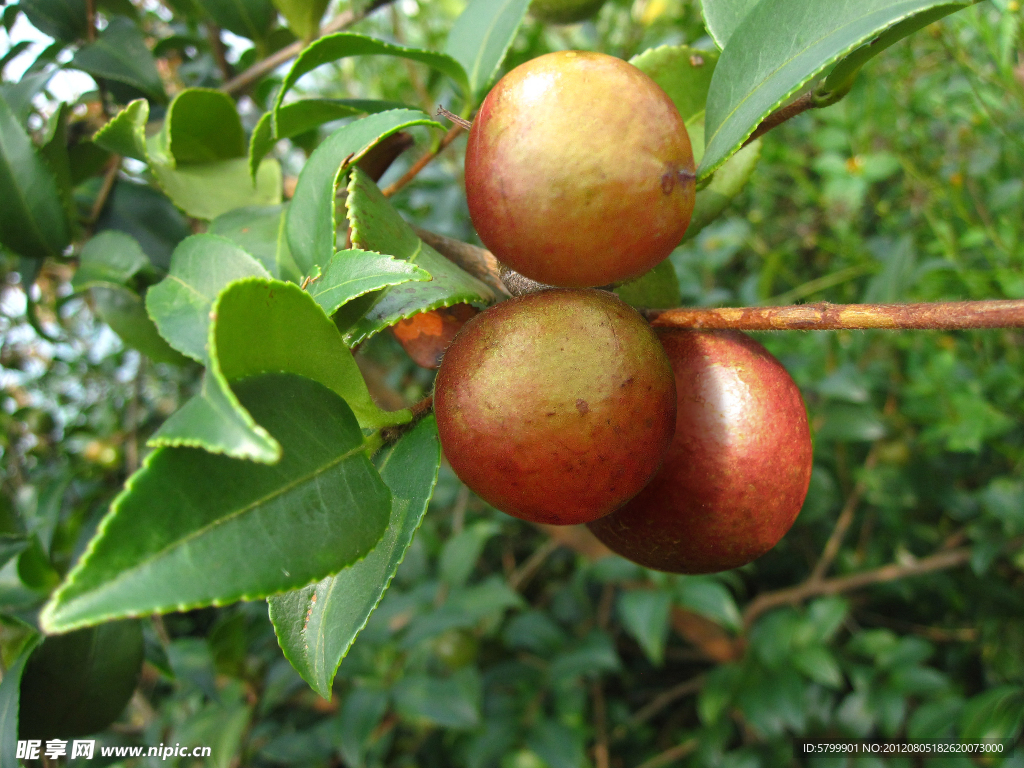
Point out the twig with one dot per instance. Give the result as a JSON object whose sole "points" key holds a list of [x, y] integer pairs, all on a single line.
{"points": [[600, 725], [419, 410], [950, 558], [670, 755], [90, 20], [659, 702], [420, 164], [521, 575], [479, 262], [218, 49], [113, 166], [265, 66], [835, 540], [939, 316]]}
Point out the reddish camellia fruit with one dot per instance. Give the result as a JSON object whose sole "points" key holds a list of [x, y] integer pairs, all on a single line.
{"points": [[579, 170], [737, 472], [556, 407]]}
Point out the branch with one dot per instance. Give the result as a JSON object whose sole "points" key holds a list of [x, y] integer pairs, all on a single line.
{"points": [[109, 179], [951, 558], [600, 725], [660, 702], [677, 752], [266, 66], [521, 575], [479, 262], [219, 50], [420, 164], [939, 316], [843, 522]]}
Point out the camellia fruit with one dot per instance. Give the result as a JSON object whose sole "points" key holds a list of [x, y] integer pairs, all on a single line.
{"points": [[564, 11], [579, 170], [556, 407], [737, 472]]}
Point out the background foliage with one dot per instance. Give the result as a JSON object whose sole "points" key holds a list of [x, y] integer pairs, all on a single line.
{"points": [[498, 643]]}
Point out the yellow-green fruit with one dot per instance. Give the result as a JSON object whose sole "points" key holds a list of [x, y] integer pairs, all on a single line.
{"points": [[564, 11]]}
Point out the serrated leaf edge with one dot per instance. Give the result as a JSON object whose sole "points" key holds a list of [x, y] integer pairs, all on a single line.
{"points": [[387, 584], [46, 617]]}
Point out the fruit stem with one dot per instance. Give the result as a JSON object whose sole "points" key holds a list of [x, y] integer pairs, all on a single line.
{"points": [[938, 316]]}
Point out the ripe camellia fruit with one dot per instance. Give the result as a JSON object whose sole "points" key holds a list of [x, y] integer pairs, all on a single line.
{"points": [[579, 170], [556, 407], [564, 11], [737, 472]]}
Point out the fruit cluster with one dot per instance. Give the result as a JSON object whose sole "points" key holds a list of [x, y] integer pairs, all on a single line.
{"points": [[683, 451]]}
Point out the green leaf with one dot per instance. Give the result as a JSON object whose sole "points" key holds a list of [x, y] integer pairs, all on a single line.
{"points": [[995, 714], [248, 18], [149, 217], [304, 115], [109, 257], [644, 614], [709, 598], [215, 421], [120, 54], [721, 17], [376, 226], [54, 150], [684, 73], [11, 545], [125, 133], [32, 218], [276, 313], [362, 711], [452, 702], [202, 126], [63, 20], [259, 230], [557, 745], [658, 288], [481, 36], [818, 663], [192, 528], [122, 309], [350, 274], [208, 190], [461, 552], [317, 625], [78, 683], [295, 337], [778, 48], [727, 182], [10, 695], [303, 16], [311, 222], [201, 267], [344, 44]]}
